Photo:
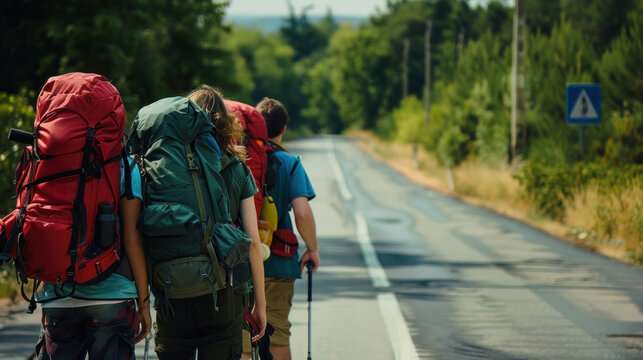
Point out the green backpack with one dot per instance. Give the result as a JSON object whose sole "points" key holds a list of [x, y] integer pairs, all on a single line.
{"points": [[190, 242], [242, 272]]}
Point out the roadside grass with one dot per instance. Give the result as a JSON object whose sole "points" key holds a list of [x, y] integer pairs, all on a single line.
{"points": [[610, 223], [9, 287], [609, 220]]}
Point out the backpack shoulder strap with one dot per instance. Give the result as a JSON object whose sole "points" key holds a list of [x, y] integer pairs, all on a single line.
{"points": [[297, 162], [127, 168], [274, 162], [271, 175], [228, 159]]}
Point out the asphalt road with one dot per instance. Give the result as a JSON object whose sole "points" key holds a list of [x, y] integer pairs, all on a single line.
{"points": [[408, 273]]}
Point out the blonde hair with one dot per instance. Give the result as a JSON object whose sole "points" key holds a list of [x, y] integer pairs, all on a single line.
{"points": [[228, 130]]}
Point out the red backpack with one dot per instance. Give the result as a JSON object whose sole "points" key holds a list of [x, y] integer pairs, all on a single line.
{"points": [[71, 167], [256, 143]]}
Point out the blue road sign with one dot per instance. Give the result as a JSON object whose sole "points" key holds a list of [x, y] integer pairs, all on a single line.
{"points": [[583, 104]]}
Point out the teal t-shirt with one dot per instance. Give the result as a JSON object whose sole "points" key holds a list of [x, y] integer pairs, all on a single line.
{"points": [[115, 286], [291, 182]]}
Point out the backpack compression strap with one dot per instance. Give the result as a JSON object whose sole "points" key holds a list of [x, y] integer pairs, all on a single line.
{"points": [[206, 244], [79, 227], [17, 238]]}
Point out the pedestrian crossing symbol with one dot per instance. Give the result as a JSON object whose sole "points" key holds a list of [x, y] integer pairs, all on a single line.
{"points": [[583, 104]]}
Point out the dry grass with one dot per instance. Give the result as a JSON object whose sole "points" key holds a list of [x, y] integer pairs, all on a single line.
{"points": [[492, 187], [496, 184], [611, 224]]}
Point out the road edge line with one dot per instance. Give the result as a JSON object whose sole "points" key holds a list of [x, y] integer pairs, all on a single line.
{"points": [[398, 331], [375, 270], [337, 170]]}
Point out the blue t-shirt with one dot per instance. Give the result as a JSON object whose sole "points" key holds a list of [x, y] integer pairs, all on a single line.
{"points": [[291, 182], [115, 286]]}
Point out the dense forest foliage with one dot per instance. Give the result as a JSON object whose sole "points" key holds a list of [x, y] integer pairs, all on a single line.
{"points": [[333, 76]]}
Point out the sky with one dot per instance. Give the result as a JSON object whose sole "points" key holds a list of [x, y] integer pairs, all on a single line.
{"points": [[280, 7], [361, 8]]}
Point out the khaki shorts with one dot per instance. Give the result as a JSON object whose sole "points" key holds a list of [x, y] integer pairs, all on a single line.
{"points": [[279, 293], [247, 344]]}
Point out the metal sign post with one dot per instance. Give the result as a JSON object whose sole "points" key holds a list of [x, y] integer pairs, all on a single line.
{"points": [[583, 107]]}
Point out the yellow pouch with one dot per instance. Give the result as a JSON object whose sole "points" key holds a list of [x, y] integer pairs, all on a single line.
{"points": [[267, 224], [265, 232], [269, 212]]}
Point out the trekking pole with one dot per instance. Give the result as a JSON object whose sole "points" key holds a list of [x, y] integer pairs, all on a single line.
{"points": [[254, 345], [310, 267], [147, 346]]}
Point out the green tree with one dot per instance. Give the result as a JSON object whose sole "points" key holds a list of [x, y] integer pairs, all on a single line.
{"points": [[304, 36], [599, 21], [263, 66], [553, 61], [622, 82], [16, 111], [321, 112], [409, 120], [361, 85], [619, 69], [148, 48]]}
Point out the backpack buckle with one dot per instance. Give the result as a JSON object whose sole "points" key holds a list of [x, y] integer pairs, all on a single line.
{"points": [[93, 170]]}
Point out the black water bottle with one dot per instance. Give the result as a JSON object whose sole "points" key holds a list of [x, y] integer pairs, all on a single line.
{"points": [[104, 232]]}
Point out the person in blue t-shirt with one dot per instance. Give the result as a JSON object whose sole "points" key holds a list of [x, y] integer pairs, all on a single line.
{"points": [[102, 320], [291, 190]]}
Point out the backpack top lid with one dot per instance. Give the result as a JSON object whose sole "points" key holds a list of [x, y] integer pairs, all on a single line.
{"points": [[70, 103], [251, 120], [255, 127], [91, 96], [168, 118]]}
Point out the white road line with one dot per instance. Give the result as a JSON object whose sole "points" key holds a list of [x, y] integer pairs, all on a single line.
{"points": [[375, 270], [339, 176], [398, 332]]}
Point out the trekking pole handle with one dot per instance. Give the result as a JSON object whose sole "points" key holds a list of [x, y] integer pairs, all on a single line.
{"points": [[310, 267], [20, 136]]}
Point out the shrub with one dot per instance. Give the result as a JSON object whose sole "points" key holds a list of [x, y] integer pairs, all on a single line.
{"points": [[410, 121], [15, 112], [550, 187]]}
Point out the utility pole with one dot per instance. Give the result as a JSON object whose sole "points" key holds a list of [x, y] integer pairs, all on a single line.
{"points": [[518, 80], [427, 71], [405, 68], [460, 44]]}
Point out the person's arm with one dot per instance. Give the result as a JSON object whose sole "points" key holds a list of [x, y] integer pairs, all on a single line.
{"points": [[249, 224], [129, 211], [306, 226]]}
